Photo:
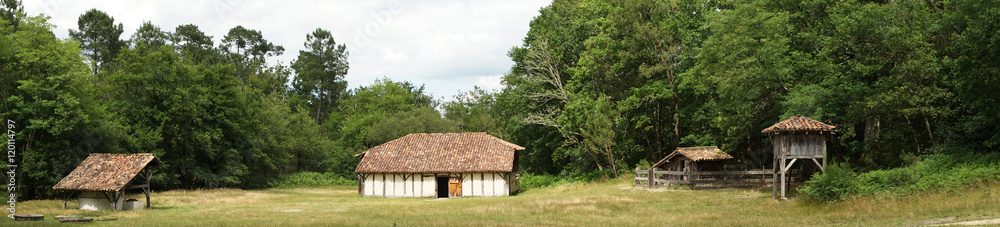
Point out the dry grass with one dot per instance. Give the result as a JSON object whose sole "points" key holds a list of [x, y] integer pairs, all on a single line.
{"points": [[596, 204]]}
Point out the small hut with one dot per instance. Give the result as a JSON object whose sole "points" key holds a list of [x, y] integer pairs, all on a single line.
{"points": [[102, 179], [439, 165], [694, 159], [797, 138]]}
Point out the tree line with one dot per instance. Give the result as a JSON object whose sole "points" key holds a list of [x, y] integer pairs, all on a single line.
{"points": [[216, 114], [596, 86], [605, 85]]}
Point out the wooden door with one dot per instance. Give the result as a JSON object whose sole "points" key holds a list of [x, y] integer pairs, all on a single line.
{"points": [[455, 187]]}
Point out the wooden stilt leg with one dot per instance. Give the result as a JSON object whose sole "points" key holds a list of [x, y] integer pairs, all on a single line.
{"points": [[783, 179], [774, 178]]}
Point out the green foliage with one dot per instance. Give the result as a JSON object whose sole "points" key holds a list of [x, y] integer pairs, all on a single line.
{"points": [[934, 173], [99, 38], [366, 106], [839, 182], [529, 181], [312, 179], [12, 11], [150, 35], [51, 99], [420, 120], [475, 111], [320, 70]]}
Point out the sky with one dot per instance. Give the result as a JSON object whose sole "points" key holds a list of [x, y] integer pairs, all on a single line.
{"points": [[447, 46]]}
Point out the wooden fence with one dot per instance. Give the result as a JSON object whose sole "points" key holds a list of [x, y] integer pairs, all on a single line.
{"points": [[750, 178]]}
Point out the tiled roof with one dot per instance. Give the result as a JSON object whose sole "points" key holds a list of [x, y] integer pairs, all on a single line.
{"points": [[106, 172], [710, 153], [440, 153], [799, 124]]}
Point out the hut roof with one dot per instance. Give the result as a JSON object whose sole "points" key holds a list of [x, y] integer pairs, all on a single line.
{"points": [[106, 172], [799, 124], [710, 153], [440, 153]]}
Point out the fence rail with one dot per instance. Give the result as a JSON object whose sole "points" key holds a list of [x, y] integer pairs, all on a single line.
{"points": [[748, 178]]}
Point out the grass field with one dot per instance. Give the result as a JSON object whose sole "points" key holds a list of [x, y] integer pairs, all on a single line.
{"points": [[593, 204]]}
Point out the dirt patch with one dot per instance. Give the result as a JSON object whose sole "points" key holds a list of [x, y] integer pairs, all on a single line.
{"points": [[659, 189], [749, 196], [975, 222]]}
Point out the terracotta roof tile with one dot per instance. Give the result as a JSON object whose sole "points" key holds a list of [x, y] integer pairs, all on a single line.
{"points": [[440, 153], [799, 124], [710, 153], [105, 172]]}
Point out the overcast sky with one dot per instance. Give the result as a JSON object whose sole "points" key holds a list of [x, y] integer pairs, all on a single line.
{"points": [[445, 45]]}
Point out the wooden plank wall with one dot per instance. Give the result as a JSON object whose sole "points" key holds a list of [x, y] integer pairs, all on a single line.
{"points": [[706, 178]]}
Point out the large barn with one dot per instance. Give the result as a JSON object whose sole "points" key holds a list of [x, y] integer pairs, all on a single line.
{"points": [[439, 165]]}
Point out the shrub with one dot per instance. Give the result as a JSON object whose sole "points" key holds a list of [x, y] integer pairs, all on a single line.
{"points": [[529, 180], [312, 179], [838, 183], [934, 172]]}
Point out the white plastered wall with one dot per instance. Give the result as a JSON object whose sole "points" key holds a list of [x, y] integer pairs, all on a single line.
{"points": [[485, 184], [425, 185]]}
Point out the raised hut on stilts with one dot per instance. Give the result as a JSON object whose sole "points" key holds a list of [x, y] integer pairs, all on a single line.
{"points": [[797, 138]]}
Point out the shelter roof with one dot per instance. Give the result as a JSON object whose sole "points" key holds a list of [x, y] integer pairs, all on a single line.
{"points": [[106, 172], [799, 124], [709, 153], [440, 153]]}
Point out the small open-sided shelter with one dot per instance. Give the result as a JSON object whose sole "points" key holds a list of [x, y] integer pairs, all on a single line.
{"points": [[694, 159], [101, 180], [797, 138], [439, 165]]}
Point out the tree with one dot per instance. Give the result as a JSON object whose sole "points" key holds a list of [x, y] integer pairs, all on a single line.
{"points": [[150, 35], [474, 111], [247, 50], [249, 44], [194, 45], [12, 11], [971, 50], [51, 101], [99, 38], [320, 71], [419, 120], [596, 120], [366, 106], [747, 61]]}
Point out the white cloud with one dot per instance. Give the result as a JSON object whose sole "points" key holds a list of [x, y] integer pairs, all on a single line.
{"points": [[393, 57], [446, 45], [490, 83]]}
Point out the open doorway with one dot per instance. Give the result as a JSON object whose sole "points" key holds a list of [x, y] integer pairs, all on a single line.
{"points": [[442, 187]]}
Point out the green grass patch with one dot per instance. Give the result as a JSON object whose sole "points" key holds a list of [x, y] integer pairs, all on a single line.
{"points": [[601, 203]]}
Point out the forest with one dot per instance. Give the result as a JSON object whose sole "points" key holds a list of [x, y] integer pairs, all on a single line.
{"points": [[597, 88]]}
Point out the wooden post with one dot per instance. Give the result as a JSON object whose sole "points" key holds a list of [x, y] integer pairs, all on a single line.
{"points": [[66, 196], [147, 190], [783, 178], [637, 169], [774, 180], [650, 178]]}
